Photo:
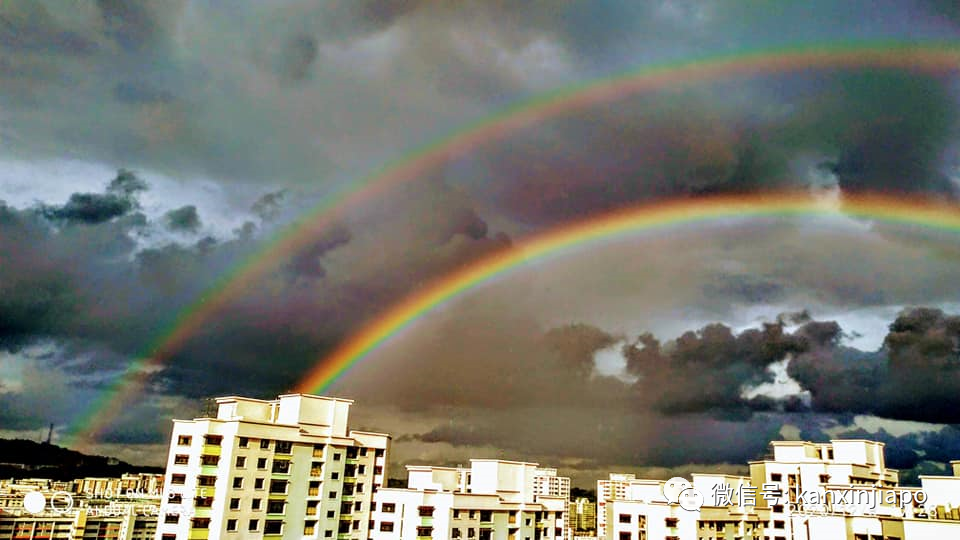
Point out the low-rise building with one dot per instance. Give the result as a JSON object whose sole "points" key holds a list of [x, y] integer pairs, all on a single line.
{"points": [[490, 500]]}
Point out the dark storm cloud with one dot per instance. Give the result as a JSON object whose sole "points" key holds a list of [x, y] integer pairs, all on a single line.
{"points": [[184, 218], [744, 288]]}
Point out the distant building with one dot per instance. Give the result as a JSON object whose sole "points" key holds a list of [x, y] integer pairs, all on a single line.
{"points": [[583, 516], [490, 500], [126, 523], [288, 468]]}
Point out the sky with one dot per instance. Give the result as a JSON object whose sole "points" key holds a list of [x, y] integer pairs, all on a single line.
{"points": [[148, 149]]}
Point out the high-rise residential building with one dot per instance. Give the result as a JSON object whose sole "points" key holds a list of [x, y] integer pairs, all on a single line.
{"points": [[546, 482], [583, 516], [278, 469], [490, 500], [614, 487]]}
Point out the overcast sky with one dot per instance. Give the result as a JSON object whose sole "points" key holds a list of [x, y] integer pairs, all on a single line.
{"points": [[148, 148]]}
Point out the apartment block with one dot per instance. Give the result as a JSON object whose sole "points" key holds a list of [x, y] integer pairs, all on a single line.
{"points": [[288, 468], [583, 516], [490, 500], [127, 523], [841, 490]]}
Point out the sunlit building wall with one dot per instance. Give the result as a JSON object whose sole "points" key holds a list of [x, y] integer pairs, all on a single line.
{"points": [[288, 468]]}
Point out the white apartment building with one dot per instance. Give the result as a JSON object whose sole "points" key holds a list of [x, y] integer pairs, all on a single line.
{"points": [[859, 499], [614, 487], [288, 468], [490, 500], [582, 515], [126, 523], [547, 483]]}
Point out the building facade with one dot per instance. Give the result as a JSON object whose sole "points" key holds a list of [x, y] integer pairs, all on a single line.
{"points": [[840, 490], [127, 523], [288, 468], [583, 516], [490, 500]]}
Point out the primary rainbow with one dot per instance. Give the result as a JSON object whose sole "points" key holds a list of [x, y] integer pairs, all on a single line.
{"points": [[930, 57], [610, 227]]}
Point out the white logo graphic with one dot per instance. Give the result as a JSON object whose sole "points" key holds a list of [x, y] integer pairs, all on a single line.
{"points": [[678, 490], [34, 502]]}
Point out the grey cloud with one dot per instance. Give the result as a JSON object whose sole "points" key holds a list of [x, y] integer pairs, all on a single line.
{"points": [[184, 218]]}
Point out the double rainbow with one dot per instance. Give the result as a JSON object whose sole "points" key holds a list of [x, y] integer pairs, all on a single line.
{"points": [[931, 58]]}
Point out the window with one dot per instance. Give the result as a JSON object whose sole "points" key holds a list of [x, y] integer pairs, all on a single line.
{"points": [[670, 522], [348, 489], [327, 534], [231, 525], [379, 452], [386, 526], [778, 508], [273, 526], [362, 469], [214, 440], [626, 536], [175, 498], [425, 511], [350, 470], [209, 460], [316, 468], [206, 480], [281, 466], [331, 513], [178, 479], [776, 477], [167, 537], [171, 518], [258, 483], [455, 533], [318, 450], [334, 475], [235, 503], [184, 440], [243, 442], [262, 463], [278, 486], [314, 489], [254, 525], [625, 518], [309, 527], [352, 452], [373, 506], [486, 515], [824, 478], [283, 447], [424, 531], [357, 506], [378, 470], [346, 507], [356, 524], [388, 508], [778, 524], [332, 495], [471, 533], [363, 451], [264, 444], [238, 482], [200, 523], [456, 513], [336, 456], [255, 504], [203, 502], [276, 507], [241, 462], [181, 459]]}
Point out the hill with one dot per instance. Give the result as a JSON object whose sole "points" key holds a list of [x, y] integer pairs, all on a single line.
{"points": [[20, 458]]}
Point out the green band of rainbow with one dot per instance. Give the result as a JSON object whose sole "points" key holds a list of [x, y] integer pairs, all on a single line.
{"points": [[657, 217], [929, 57]]}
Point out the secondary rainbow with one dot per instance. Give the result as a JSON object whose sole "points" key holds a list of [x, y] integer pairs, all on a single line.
{"points": [[927, 57], [611, 227]]}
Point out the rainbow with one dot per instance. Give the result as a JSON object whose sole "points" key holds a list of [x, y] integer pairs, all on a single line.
{"points": [[610, 227], [930, 57]]}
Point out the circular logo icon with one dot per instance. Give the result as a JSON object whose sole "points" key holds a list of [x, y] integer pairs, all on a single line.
{"points": [[691, 499], [61, 502], [34, 502], [672, 488]]}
